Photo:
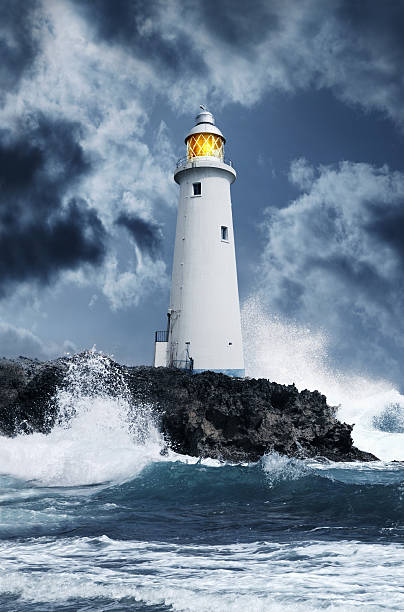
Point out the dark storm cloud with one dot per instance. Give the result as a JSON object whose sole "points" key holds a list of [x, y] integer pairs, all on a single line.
{"points": [[39, 235], [139, 26], [41, 159], [43, 247], [147, 235], [18, 45]]}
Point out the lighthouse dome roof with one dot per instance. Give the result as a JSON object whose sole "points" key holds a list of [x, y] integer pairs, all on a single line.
{"points": [[205, 123], [204, 116]]}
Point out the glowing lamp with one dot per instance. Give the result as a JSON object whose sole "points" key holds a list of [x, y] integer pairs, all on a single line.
{"points": [[205, 139], [205, 145]]}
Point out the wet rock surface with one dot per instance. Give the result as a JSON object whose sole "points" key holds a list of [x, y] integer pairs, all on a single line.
{"points": [[206, 415]]}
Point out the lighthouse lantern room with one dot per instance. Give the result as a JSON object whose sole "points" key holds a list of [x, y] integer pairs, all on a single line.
{"points": [[203, 325]]}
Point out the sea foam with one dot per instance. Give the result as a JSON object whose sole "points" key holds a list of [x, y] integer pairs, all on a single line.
{"points": [[258, 576]]}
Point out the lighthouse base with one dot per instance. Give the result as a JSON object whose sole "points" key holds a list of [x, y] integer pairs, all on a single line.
{"points": [[235, 373]]}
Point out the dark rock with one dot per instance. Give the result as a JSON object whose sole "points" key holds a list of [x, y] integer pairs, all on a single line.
{"points": [[207, 414], [27, 389]]}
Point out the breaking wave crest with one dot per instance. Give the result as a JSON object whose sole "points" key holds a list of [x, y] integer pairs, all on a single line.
{"points": [[99, 436]]}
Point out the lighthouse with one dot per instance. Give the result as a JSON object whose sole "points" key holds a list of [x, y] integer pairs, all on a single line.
{"points": [[203, 323]]}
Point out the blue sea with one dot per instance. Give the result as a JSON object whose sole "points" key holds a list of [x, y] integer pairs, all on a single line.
{"points": [[94, 516]]}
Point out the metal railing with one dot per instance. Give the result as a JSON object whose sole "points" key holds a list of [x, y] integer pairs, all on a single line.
{"points": [[181, 162], [161, 336], [184, 160]]}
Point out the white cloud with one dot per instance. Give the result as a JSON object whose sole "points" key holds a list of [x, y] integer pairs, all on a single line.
{"points": [[301, 173], [334, 260]]}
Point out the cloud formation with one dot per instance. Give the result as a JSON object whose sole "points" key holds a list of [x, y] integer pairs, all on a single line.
{"points": [[41, 234], [74, 158], [141, 28], [334, 260]]}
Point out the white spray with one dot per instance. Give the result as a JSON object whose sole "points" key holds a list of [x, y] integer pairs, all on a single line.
{"points": [[288, 353], [100, 435]]}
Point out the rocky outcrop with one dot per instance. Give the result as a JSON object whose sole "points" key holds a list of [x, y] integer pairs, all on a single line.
{"points": [[207, 415]]}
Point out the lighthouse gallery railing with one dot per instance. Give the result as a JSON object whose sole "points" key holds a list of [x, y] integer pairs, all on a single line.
{"points": [[184, 160]]}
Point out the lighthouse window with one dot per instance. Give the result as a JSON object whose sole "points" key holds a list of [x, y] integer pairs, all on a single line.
{"points": [[197, 188], [224, 232]]}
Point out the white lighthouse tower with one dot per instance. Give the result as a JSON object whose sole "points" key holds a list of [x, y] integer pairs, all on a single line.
{"points": [[204, 330]]}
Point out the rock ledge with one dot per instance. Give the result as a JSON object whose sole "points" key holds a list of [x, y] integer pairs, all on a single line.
{"points": [[205, 415]]}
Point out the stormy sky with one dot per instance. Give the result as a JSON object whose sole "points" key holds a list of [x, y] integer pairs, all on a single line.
{"points": [[95, 99]]}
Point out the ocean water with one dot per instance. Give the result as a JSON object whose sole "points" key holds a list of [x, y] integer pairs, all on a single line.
{"points": [[94, 516]]}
